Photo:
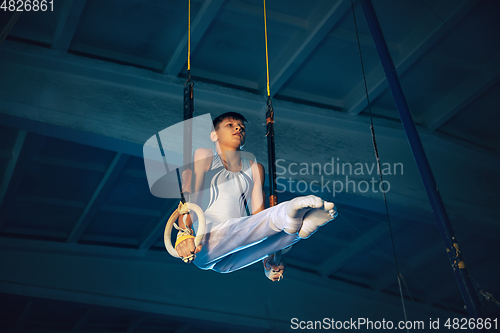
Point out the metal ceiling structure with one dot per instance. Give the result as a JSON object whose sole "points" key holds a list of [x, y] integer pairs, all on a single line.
{"points": [[83, 86]]}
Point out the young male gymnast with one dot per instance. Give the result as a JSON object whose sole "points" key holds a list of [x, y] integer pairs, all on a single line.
{"points": [[226, 186]]}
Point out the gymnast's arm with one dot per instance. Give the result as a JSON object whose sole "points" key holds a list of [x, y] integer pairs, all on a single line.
{"points": [[202, 161], [258, 195]]}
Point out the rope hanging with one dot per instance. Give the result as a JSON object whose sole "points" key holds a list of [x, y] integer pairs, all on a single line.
{"points": [[188, 110], [185, 207], [189, 38], [372, 129], [271, 156], [267, 53], [188, 89]]}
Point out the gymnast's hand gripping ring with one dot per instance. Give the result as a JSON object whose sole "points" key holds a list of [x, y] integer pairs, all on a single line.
{"points": [[184, 209]]}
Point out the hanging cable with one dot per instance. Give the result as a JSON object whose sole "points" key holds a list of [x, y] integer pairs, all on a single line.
{"points": [[372, 129], [273, 201], [189, 38], [185, 206], [271, 156], [267, 53], [188, 87], [188, 109]]}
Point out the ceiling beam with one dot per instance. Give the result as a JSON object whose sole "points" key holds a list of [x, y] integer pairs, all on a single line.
{"points": [[337, 261], [109, 121], [417, 43], [6, 154], [327, 283], [183, 329], [66, 163], [444, 290], [313, 99], [84, 319], [150, 234], [396, 218], [135, 173], [459, 98], [329, 239], [109, 240], [327, 15], [226, 79], [453, 62], [134, 325], [130, 210], [107, 75], [81, 204], [23, 318], [246, 8], [44, 200], [417, 261], [11, 165], [86, 250], [132, 280], [364, 39], [115, 56], [27, 145], [440, 292], [207, 13], [496, 145], [351, 278], [33, 233], [67, 23], [115, 168]]}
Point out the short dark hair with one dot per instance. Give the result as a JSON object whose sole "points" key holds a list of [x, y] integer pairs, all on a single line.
{"points": [[228, 115]]}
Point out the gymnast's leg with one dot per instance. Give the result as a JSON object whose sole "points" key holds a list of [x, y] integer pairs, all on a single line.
{"points": [[262, 233], [255, 253]]}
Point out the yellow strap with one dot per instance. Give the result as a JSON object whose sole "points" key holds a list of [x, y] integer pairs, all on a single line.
{"points": [[182, 238], [189, 36], [267, 56]]}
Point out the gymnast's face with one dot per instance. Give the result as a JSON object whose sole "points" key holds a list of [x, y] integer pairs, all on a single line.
{"points": [[231, 134]]}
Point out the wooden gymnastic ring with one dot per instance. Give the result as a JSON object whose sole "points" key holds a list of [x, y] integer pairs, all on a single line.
{"points": [[170, 224]]}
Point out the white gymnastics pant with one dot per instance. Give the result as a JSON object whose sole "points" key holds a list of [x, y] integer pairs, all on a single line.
{"points": [[240, 242]]}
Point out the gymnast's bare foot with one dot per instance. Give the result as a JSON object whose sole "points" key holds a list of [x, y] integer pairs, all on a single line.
{"points": [[274, 272]]}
